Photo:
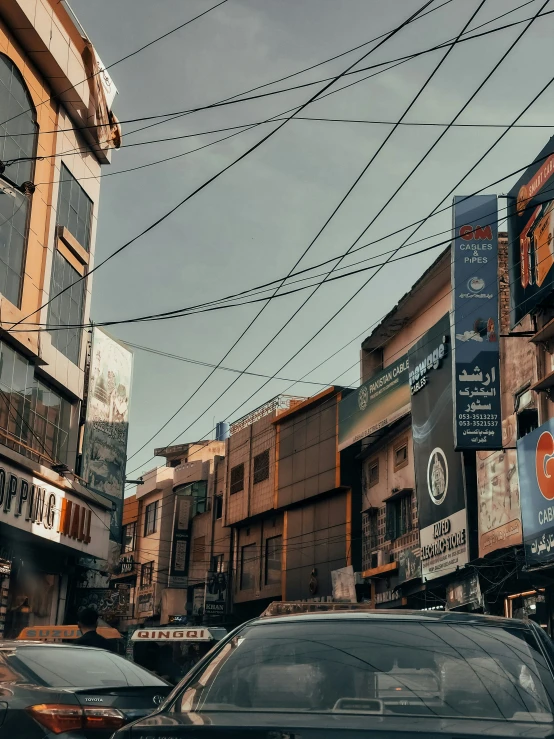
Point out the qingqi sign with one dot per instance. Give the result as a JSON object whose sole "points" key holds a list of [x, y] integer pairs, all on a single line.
{"points": [[172, 635]]}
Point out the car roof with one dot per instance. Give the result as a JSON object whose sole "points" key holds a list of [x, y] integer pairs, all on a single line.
{"points": [[395, 615], [20, 643]]}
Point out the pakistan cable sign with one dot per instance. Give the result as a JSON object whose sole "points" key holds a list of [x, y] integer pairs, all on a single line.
{"points": [[438, 468], [475, 345], [380, 401], [535, 461]]}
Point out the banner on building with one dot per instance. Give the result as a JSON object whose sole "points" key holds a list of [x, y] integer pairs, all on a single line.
{"points": [[145, 602], [475, 334], [180, 546], [216, 594], [438, 468], [380, 401], [409, 564], [344, 584], [535, 461], [530, 235], [466, 592], [107, 422], [498, 495], [107, 603]]}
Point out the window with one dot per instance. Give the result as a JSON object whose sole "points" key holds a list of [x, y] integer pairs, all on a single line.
{"points": [[237, 479], [18, 112], [527, 421], [248, 567], [34, 419], [146, 574], [129, 537], [150, 516], [373, 532], [370, 537], [66, 309], [175, 463], [217, 563], [373, 473], [218, 507], [198, 491], [273, 549], [74, 208], [198, 549], [261, 466], [400, 455], [398, 516]]}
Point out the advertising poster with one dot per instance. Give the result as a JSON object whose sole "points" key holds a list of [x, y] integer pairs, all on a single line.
{"points": [[530, 235], [145, 602], [475, 341], [181, 534], [498, 495], [438, 468], [409, 565], [107, 421], [344, 585], [216, 594], [380, 401], [462, 593], [535, 462]]}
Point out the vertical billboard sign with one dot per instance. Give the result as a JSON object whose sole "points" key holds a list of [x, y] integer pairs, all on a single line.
{"points": [[530, 235], [216, 594], [180, 546], [475, 344], [380, 401], [498, 494], [107, 421], [535, 461], [438, 468]]}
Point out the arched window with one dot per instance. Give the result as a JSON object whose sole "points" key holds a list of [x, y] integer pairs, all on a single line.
{"points": [[18, 138]]}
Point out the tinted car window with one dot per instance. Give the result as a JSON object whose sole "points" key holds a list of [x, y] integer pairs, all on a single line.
{"points": [[60, 668], [410, 668]]}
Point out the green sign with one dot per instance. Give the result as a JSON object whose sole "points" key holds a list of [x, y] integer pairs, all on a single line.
{"points": [[380, 401]]}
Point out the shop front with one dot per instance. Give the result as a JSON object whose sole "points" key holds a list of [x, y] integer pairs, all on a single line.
{"points": [[45, 529]]}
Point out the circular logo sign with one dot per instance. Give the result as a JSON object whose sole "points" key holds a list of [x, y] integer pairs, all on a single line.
{"points": [[522, 200], [476, 284], [437, 476], [157, 700], [544, 461], [363, 398]]}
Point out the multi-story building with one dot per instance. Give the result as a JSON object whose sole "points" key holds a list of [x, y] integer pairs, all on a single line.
{"points": [[56, 132]]}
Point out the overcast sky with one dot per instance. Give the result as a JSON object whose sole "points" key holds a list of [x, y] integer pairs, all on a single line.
{"points": [[251, 225]]}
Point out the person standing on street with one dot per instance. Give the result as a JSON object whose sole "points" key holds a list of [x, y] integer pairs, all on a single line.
{"points": [[87, 620]]}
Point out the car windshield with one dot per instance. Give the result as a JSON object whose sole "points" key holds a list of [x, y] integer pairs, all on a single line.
{"points": [[66, 667], [370, 666]]}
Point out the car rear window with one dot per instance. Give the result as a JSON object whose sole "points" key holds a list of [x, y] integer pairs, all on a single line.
{"points": [[66, 667], [368, 666]]}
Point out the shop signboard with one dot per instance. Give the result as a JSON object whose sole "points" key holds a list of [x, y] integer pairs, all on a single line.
{"points": [[32, 505], [216, 593], [535, 461], [438, 468], [498, 495], [530, 235], [466, 592], [106, 602], [344, 584], [409, 564], [145, 602], [475, 339], [181, 536], [380, 401], [107, 421]]}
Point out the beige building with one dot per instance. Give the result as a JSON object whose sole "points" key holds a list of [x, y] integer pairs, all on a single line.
{"points": [[56, 132]]}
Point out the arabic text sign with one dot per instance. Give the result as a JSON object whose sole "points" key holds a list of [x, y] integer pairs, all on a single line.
{"points": [[535, 461], [475, 341], [380, 401]]}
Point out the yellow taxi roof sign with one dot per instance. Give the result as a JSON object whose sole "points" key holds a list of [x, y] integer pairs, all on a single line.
{"points": [[60, 633]]}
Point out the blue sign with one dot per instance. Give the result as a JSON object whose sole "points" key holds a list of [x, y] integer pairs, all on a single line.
{"points": [[535, 461], [475, 341]]}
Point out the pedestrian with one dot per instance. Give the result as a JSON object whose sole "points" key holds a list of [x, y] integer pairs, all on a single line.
{"points": [[87, 620]]}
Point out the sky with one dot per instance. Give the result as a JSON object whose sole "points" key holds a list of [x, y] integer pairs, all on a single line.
{"points": [[252, 224]]}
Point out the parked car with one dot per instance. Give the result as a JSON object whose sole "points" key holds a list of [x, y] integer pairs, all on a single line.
{"points": [[71, 692], [355, 674]]}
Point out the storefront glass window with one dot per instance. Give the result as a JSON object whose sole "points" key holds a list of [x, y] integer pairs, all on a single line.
{"points": [[34, 419]]}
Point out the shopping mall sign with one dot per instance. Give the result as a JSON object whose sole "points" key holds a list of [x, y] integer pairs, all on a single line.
{"points": [[535, 461], [30, 504]]}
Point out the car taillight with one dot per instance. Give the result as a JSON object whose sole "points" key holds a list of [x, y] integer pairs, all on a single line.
{"points": [[58, 718]]}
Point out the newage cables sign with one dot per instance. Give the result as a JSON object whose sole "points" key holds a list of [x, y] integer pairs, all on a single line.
{"points": [[475, 342], [380, 401]]}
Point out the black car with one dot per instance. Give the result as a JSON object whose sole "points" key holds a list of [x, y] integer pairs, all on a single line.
{"points": [[71, 692], [375, 673]]}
